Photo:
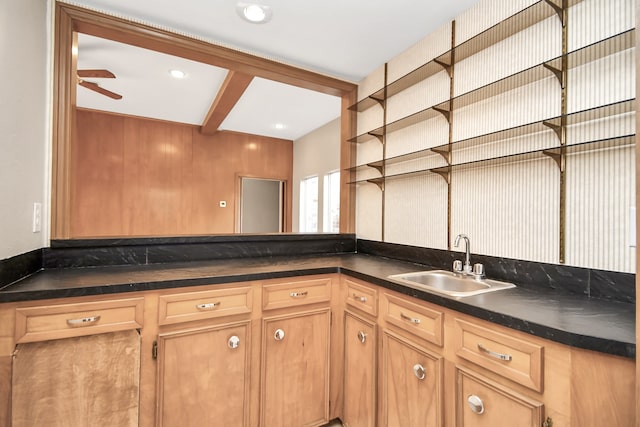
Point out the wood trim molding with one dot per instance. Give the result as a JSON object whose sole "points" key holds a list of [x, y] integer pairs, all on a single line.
{"points": [[234, 85], [71, 19]]}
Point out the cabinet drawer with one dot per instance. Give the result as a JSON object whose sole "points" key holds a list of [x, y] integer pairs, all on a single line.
{"points": [[518, 360], [78, 319], [190, 306], [293, 294], [361, 297], [481, 402], [416, 319]]}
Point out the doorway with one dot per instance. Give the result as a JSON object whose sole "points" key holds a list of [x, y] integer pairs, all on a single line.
{"points": [[261, 205]]}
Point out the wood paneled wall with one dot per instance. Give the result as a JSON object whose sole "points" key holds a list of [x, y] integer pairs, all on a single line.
{"points": [[132, 176]]}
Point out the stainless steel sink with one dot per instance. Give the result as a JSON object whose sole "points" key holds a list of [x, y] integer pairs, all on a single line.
{"points": [[449, 283]]}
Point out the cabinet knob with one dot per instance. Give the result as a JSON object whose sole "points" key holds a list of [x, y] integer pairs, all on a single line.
{"points": [[207, 306], [476, 405], [298, 294], [362, 337], [278, 335], [419, 372], [233, 342], [83, 321]]}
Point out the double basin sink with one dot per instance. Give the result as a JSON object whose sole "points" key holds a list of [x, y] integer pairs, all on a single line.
{"points": [[450, 283]]}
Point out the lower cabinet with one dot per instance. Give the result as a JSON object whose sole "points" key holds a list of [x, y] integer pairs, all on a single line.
{"points": [[203, 376], [89, 380], [359, 381], [295, 369], [412, 383], [484, 403]]}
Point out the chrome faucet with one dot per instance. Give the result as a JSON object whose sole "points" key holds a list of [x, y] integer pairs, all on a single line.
{"points": [[467, 260], [477, 271]]}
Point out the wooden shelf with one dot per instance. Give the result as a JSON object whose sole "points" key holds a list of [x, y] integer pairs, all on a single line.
{"points": [[593, 52], [520, 21], [552, 153]]}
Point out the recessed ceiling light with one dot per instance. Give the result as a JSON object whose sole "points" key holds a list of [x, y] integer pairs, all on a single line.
{"points": [[279, 126], [177, 74], [253, 12]]}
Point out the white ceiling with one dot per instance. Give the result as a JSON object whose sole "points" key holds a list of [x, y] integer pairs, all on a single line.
{"points": [[346, 39]]}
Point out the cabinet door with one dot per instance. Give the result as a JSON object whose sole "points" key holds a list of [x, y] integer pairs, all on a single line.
{"points": [[360, 347], [82, 381], [295, 370], [484, 403], [411, 384], [203, 376]]}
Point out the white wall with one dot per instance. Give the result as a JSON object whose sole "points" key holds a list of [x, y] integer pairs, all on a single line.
{"points": [[316, 153], [24, 118]]}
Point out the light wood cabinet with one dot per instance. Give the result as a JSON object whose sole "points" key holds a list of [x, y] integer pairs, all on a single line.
{"points": [[483, 403], [360, 355], [412, 383], [295, 369], [76, 363], [203, 376]]}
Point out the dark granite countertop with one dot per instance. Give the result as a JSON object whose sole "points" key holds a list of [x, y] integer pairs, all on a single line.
{"points": [[574, 320]]}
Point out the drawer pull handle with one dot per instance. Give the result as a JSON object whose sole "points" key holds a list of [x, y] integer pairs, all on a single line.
{"points": [[362, 337], [419, 372], [413, 320], [83, 321], [505, 357], [475, 404], [298, 294], [359, 298], [278, 335], [208, 306]]}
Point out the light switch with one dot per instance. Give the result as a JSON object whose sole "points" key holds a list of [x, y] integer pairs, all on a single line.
{"points": [[223, 204]]}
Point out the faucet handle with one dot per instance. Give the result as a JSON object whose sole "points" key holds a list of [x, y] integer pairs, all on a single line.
{"points": [[478, 270], [457, 266]]}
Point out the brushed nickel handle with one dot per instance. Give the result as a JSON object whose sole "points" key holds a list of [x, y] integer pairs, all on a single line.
{"points": [[233, 342], [413, 320], [208, 306], [298, 294], [475, 404], [83, 321], [359, 298], [501, 356], [419, 371], [278, 335], [362, 337]]}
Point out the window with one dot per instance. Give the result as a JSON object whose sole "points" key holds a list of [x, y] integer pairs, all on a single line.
{"points": [[309, 204], [331, 213]]}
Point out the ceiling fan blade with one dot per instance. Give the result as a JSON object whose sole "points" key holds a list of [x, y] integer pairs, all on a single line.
{"points": [[96, 73], [96, 88]]}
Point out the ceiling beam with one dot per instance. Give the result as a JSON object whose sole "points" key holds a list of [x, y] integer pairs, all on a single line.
{"points": [[230, 92], [137, 34]]}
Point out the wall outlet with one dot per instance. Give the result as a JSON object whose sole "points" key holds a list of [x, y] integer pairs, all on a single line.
{"points": [[37, 217], [223, 204]]}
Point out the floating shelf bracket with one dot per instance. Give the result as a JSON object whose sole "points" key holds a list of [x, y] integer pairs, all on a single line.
{"points": [[444, 152], [558, 9], [380, 101], [556, 72], [554, 127], [445, 112], [378, 137], [444, 172], [557, 156], [377, 166], [448, 68], [379, 182]]}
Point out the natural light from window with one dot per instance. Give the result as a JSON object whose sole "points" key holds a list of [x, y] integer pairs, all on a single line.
{"points": [[331, 203], [309, 205]]}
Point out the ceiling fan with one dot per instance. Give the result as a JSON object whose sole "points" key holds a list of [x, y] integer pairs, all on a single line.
{"points": [[94, 86]]}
